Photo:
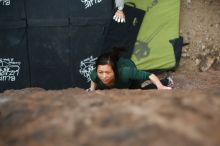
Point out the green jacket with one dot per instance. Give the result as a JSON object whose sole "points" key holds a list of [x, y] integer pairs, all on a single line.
{"points": [[126, 77]]}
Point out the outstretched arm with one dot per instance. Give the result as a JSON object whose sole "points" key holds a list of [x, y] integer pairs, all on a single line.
{"points": [[157, 82]]}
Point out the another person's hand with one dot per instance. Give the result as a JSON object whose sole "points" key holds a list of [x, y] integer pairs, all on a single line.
{"points": [[119, 16]]}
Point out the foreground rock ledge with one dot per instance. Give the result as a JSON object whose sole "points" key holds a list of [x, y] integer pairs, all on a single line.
{"points": [[73, 117]]}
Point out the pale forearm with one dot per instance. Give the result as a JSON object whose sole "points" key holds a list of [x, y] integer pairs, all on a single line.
{"points": [[92, 86], [155, 80]]}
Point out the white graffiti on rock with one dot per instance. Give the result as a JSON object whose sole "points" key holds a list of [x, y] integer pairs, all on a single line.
{"points": [[86, 66], [9, 69], [90, 3], [5, 2]]}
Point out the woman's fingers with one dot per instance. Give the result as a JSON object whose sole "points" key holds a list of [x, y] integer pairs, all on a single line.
{"points": [[168, 88], [165, 88]]}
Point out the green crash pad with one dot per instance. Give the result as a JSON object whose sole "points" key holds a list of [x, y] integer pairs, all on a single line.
{"points": [[152, 50]]}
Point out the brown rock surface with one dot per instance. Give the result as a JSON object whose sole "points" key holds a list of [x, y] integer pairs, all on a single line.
{"points": [[188, 115], [33, 117]]}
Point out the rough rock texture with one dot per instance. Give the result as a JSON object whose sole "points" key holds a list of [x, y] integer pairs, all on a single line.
{"points": [[33, 117]]}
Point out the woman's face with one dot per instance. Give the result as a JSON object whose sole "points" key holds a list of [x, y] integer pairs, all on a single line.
{"points": [[106, 74]]}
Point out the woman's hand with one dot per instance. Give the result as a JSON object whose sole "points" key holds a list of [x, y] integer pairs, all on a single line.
{"points": [[157, 82], [92, 87], [119, 16], [164, 88]]}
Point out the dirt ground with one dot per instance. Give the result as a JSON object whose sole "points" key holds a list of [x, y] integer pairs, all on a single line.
{"points": [[186, 116], [200, 26]]}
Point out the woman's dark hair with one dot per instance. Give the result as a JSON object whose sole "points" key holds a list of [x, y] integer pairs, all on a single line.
{"points": [[110, 58]]}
